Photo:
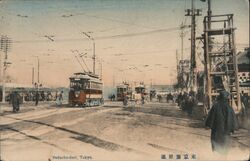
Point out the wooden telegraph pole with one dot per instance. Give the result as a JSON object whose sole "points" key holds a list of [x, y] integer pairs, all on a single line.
{"points": [[193, 71]]}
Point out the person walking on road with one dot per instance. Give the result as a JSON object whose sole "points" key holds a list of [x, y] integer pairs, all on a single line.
{"points": [[36, 98], [142, 99], [222, 121], [60, 98], [191, 102], [125, 100], [15, 101]]}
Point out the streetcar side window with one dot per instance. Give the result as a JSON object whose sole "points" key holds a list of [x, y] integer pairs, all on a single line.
{"points": [[95, 85]]}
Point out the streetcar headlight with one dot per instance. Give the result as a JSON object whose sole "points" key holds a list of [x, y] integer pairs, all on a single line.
{"points": [[77, 93]]}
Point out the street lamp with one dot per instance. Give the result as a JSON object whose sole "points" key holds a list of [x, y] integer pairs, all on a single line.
{"points": [[92, 39]]}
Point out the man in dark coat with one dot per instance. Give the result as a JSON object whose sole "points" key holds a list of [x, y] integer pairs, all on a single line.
{"points": [[222, 121], [36, 98], [191, 102], [179, 99], [15, 100]]}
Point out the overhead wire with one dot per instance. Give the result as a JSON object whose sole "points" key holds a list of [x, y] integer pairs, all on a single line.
{"points": [[103, 37], [78, 60]]}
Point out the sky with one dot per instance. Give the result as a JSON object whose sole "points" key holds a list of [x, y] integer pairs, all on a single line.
{"points": [[136, 40]]}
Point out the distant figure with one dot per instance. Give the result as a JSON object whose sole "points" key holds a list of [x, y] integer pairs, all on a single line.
{"points": [[184, 103], [142, 99], [60, 98], [15, 100], [244, 100], [151, 96], [125, 100], [110, 97], [159, 97], [191, 102], [179, 99], [36, 98], [222, 121], [169, 97]]}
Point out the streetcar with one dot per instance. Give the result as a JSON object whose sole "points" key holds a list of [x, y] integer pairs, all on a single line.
{"points": [[123, 90], [140, 92], [86, 89]]}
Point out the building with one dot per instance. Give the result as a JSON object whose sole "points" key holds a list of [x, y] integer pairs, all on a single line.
{"points": [[244, 70]]}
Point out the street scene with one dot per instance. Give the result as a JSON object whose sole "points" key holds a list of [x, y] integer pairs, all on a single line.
{"points": [[145, 80]]}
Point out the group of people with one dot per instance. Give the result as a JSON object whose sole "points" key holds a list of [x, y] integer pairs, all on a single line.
{"points": [[169, 97], [139, 98], [16, 99], [187, 101], [112, 97]]}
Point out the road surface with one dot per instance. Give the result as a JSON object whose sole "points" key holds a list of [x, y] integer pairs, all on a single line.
{"points": [[154, 131]]}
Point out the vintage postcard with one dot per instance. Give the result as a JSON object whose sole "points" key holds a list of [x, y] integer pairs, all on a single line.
{"points": [[124, 80]]}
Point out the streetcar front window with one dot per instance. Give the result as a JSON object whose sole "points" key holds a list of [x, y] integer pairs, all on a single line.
{"points": [[139, 90], [79, 85]]}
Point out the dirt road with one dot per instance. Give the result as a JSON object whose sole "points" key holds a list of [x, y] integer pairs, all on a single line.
{"points": [[154, 131]]}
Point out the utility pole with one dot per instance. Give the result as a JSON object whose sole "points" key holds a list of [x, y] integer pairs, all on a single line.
{"points": [[181, 65], [209, 13], [178, 70], [182, 38], [5, 46], [177, 61], [114, 80], [93, 55], [193, 68], [101, 69], [38, 70], [182, 35], [32, 78]]}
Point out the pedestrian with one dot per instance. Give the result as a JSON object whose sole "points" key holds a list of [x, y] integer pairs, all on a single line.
{"points": [[244, 99], [222, 121], [15, 100], [179, 99], [184, 101], [159, 97], [142, 99], [36, 98], [169, 97], [60, 98], [125, 100], [151, 96], [191, 102]]}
